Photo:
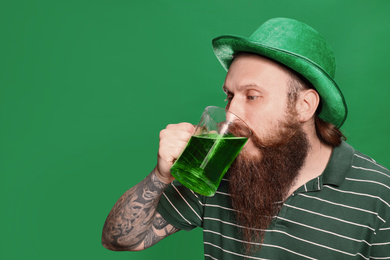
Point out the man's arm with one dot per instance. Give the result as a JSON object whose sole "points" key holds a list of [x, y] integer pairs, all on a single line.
{"points": [[133, 223]]}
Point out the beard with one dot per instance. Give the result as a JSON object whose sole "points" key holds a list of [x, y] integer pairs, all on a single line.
{"points": [[259, 184]]}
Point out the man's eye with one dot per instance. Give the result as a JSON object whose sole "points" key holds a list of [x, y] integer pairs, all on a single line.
{"points": [[228, 98], [252, 97]]}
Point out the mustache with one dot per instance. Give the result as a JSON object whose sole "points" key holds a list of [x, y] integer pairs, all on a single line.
{"points": [[284, 137], [237, 128]]}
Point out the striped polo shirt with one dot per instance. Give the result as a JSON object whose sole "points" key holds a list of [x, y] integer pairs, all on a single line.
{"points": [[342, 214]]}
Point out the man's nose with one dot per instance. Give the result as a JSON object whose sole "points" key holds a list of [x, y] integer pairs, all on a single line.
{"points": [[236, 108]]}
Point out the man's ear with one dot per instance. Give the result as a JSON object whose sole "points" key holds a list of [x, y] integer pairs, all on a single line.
{"points": [[307, 104]]}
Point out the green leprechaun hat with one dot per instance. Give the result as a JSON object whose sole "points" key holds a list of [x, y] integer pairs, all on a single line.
{"points": [[299, 47]]}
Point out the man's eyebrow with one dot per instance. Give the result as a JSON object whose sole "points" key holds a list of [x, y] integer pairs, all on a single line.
{"points": [[243, 87]]}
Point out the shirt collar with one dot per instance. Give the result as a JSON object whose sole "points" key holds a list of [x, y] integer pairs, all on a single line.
{"points": [[339, 163], [335, 172]]}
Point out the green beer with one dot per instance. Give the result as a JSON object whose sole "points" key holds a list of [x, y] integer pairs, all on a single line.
{"points": [[205, 160]]}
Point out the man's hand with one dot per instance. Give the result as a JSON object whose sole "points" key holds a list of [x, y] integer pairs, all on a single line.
{"points": [[173, 140]]}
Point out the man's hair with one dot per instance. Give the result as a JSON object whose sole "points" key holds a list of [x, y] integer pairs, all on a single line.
{"points": [[327, 132]]}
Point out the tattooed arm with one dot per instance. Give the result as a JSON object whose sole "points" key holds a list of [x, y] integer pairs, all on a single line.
{"points": [[133, 223]]}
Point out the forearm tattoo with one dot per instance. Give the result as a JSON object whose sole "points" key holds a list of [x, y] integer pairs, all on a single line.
{"points": [[133, 222]]}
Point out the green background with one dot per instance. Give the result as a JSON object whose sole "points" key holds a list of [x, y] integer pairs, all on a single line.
{"points": [[86, 86]]}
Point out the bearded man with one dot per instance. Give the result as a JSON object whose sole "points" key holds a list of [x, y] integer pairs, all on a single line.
{"points": [[297, 189]]}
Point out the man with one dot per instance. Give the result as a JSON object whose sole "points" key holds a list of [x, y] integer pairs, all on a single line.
{"points": [[297, 190]]}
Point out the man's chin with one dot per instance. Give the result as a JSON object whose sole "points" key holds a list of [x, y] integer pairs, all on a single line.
{"points": [[250, 151]]}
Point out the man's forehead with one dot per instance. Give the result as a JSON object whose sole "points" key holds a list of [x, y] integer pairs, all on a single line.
{"points": [[256, 74], [246, 57]]}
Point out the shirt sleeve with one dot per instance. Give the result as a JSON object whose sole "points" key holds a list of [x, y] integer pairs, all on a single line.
{"points": [[380, 248], [181, 207]]}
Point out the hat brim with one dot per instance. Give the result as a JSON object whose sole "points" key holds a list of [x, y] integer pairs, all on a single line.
{"points": [[334, 108]]}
